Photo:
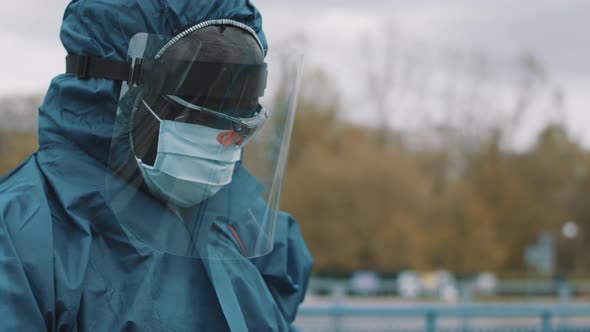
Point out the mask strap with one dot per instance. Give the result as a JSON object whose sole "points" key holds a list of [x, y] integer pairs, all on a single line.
{"points": [[150, 109]]}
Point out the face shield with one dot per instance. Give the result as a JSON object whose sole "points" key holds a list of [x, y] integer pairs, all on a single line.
{"points": [[200, 142]]}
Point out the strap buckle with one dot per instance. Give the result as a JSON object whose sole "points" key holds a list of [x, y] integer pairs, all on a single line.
{"points": [[135, 72], [82, 67]]}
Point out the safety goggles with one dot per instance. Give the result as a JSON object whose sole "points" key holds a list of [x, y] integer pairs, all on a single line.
{"points": [[243, 121]]}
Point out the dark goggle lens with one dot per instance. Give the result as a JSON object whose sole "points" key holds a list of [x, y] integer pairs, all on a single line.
{"points": [[204, 119]]}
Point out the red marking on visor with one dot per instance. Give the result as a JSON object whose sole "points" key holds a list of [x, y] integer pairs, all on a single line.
{"points": [[228, 138]]}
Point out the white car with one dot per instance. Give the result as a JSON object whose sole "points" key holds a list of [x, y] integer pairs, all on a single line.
{"points": [[486, 283], [409, 285], [440, 284], [365, 283]]}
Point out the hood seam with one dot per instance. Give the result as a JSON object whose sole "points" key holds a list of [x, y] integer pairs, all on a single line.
{"points": [[207, 24]]}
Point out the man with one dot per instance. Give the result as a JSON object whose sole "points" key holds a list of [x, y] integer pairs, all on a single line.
{"points": [[139, 212]]}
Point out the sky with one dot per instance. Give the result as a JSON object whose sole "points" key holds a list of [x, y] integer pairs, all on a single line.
{"points": [[555, 31]]}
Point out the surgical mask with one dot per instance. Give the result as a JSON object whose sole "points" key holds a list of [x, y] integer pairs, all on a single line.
{"points": [[191, 164]]}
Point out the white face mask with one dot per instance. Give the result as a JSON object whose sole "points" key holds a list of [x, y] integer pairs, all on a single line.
{"points": [[191, 165]]}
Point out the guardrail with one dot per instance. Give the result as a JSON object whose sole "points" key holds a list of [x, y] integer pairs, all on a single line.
{"points": [[388, 287], [430, 314]]}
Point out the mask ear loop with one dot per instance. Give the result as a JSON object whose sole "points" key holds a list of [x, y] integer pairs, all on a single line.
{"points": [[131, 122], [151, 111], [131, 138]]}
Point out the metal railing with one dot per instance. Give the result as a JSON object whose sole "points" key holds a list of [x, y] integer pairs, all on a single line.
{"points": [[543, 317]]}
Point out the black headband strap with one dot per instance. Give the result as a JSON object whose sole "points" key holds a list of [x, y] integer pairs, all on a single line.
{"points": [[85, 66], [202, 76]]}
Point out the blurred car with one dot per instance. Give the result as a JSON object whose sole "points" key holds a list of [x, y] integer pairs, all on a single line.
{"points": [[486, 283], [448, 293], [440, 284], [408, 284], [365, 283]]}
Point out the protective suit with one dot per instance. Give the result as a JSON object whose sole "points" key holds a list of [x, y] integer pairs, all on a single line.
{"points": [[68, 264]]}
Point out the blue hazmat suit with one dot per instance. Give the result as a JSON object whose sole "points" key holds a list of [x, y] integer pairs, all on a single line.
{"points": [[67, 264]]}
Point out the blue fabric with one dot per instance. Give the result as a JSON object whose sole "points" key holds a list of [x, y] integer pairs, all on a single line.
{"points": [[66, 264]]}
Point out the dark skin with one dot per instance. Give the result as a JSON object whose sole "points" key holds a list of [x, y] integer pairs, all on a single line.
{"points": [[225, 44]]}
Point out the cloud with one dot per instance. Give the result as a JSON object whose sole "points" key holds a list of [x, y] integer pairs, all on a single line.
{"points": [[35, 55], [555, 31], [40, 19], [552, 30]]}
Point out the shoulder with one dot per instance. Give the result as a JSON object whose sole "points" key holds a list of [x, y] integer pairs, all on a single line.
{"points": [[27, 176], [24, 214], [22, 194], [26, 247]]}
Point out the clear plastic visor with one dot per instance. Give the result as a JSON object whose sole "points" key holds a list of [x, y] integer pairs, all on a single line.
{"points": [[198, 171]]}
